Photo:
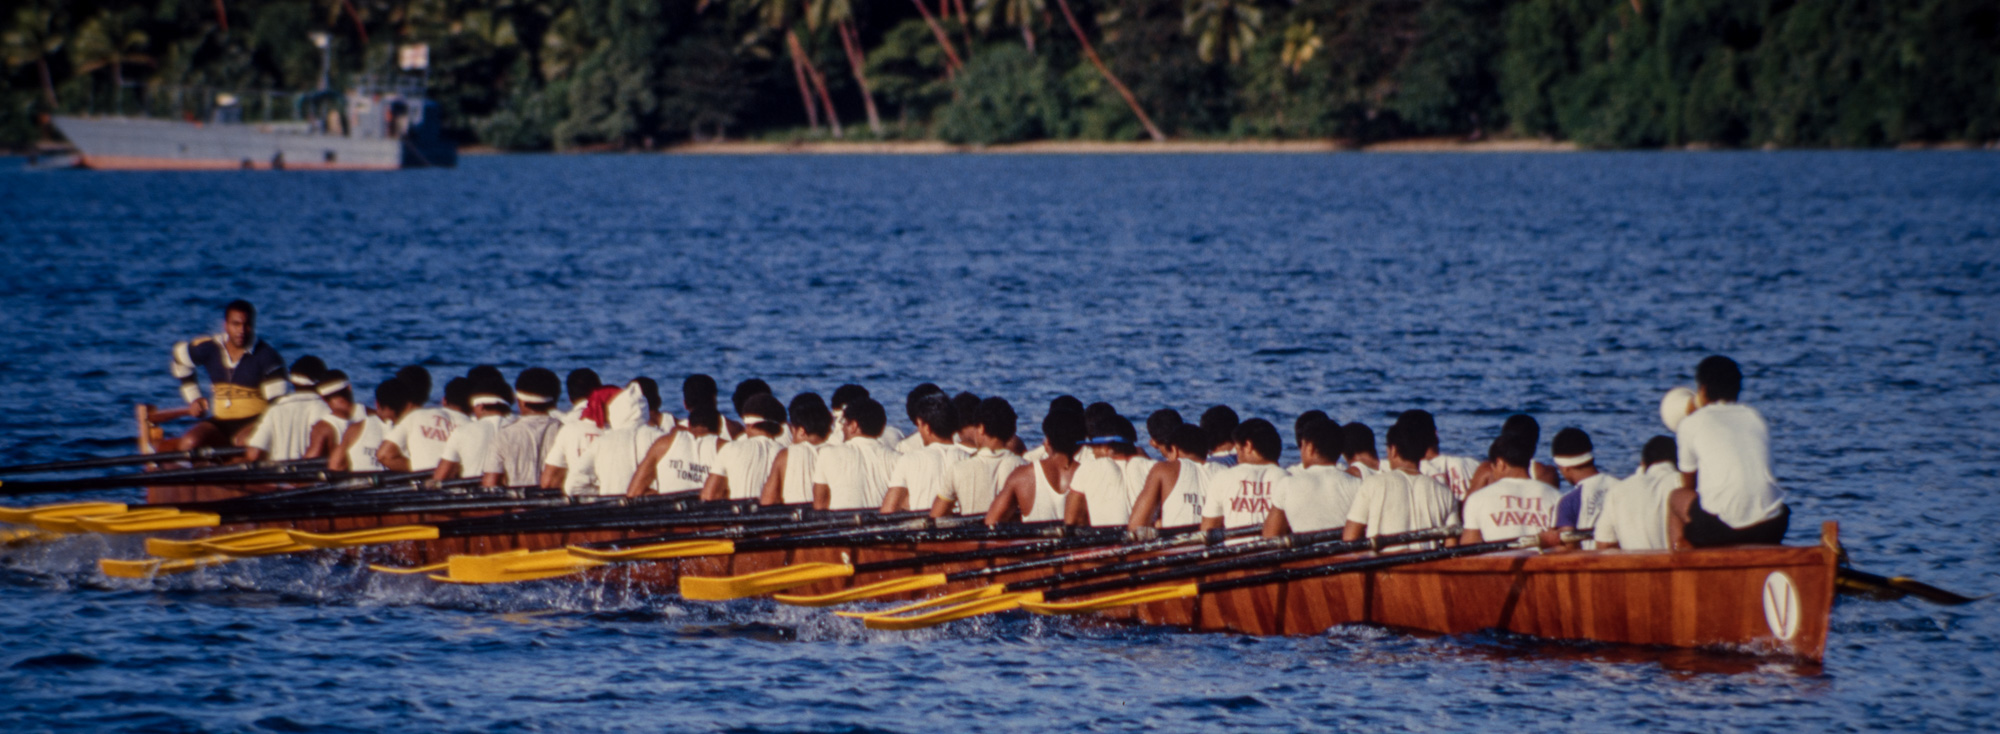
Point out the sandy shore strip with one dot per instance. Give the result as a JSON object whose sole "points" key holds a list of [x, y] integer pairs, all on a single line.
{"points": [[1421, 145]]}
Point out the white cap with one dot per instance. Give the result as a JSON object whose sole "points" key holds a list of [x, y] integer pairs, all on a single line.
{"points": [[1675, 406]]}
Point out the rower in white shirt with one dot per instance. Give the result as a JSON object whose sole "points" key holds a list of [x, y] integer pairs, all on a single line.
{"points": [[920, 473], [523, 448], [1358, 440], [1318, 495], [790, 482], [914, 441], [580, 383], [844, 395], [1453, 471], [1220, 424], [1513, 505], [855, 474], [363, 438], [1400, 498], [1729, 494], [965, 404], [1299, 426], [1525, 426], [1635, 510], [1177, 486], [1039, 490], [573, 440], [616, 459], [972, 484], [284, 432], [1584, 504], [1240, 496], [416, 441], [1103, 491], [683, 460], [471, 446], [743, 467], [338, 393]]}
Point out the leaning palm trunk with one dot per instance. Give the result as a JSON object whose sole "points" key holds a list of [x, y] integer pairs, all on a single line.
{"points": [[818, 81], [799, 72], [1090, 52], [48, 82], [221, 16], [951, 56], [851, 43]]}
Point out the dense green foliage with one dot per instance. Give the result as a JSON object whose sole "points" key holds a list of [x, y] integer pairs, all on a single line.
{"points": [[568, 74]]}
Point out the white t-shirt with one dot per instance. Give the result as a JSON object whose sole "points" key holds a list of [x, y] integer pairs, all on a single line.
{"points": [[1316, 498], [1451, 471], [1635, 509], [800, 459], [910, 444], [746, 463], [1510, 508], [1393, 501], [1182, 505], [471, 446], [973, 483], [421, 435], [923, 472], [1590, 498], [1728, 446], [688, 462], [612, 459], [285, 430], [1136, 469], [572, 441], [1103, 486], [1241, 495], [856, 473]]}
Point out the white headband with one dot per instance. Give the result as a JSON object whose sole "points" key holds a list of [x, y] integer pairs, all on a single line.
{"points": [[1570, 462], [480, 401], [528, 397], [331, 387], [300, 380]]}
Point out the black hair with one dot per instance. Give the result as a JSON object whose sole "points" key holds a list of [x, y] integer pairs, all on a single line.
{"points": [[1220, 424], [1120, 426], [766, 406], [240, 306], [1099, 410], [1571, 441], [1065, 403], [997, 418], [1423, 425], [1305, 420], [1357, 438], [394, 395], [937, 411], [331, 376], [1327, 438], [581, 382], [485, 374], [1512, 448], [1525, 426], [917, 394], [1188, 438], [1407, 442], [809, 413], [1719, 377], [1064, 431], [489, 383], [966, 404], [698, 391], [705, 416], [416, 383], [310, 367], [1161, 424], [458, 394], [745, 389], [867, 415], [846, 394], [1658, 449], [650, 388], [1259, 434], [539, 381]]}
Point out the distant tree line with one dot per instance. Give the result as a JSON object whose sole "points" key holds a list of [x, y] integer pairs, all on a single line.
{"points": [[570, 74]]}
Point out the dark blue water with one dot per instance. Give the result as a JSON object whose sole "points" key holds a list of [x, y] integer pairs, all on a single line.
{"points": [[1859, 290]]}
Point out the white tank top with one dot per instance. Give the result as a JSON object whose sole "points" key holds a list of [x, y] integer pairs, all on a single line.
{"points": [[361, 456], [1182, 505], [799, 461], [687, 463], [1048, 502], [746, 462]]}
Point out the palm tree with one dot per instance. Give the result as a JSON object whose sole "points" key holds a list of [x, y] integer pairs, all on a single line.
{"points": [[1020, 13], [951, 60], [1090, 52], [777, 15], [1232, 24], [1301, 44], [841, 14], [111, 40], [31, 40]]}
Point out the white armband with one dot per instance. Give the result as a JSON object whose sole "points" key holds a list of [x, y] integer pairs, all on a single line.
{"points": [[190, 390], [274, 387], [182, 365]]}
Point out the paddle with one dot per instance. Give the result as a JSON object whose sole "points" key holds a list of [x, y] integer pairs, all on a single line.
{"points": [[1862, 583], [260, 473], [201, 454], [67, 517], [800, 574]]}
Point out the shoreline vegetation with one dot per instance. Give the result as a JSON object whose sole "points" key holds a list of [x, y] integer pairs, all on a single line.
{"points": [[1026, 76]]}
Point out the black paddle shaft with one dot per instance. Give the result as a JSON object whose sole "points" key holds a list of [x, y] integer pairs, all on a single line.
{"points": [[1258, 556], [201, 454], [1356, 566]]}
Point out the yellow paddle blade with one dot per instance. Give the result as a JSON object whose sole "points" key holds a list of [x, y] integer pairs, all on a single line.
{"points": [[152, 567], [1001, 603], [761, 583], [131, 523], [658, 551], [165, 548], [858, 593], [370, 536], [25, 515], [984, 592], [1129, 598], [72, 522], [504, 568], [426, 568]]}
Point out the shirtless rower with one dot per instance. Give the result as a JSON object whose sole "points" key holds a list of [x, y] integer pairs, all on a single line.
{"points": [[244, 374], [284, 432], [574, 440], [919, 474], [522, 448], [970, 487], [416, 442], [1104, 490], [470, 447], [1513, 505], [1038, 491], [680, 461], [1358, 440], [1729, 495], [743, 467], [1240, 496], [1635, 510], [338, 392], [855, 474], [790, 482], [1220, 424], [362, 440], [1584, 503], [1401, 498], [1176, 487], [1317, 495]]}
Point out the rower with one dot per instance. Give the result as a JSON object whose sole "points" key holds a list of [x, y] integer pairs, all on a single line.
{"points": [[470, 448], [325, 441], [744, 466], [649, 388], [416, 442], [617, 459], [1728, 494], [911, 443], [681, 461], [245, 374], [1402, 498], [1104, 489], [417, 382], [970, 487], [1513, 505], [1529, 429], [747, 411], [457, 400], [1584, 503], [790, 482], [1240, 496], [919, 475], [580, 383], [284, 432], [1358, 440], [522, 448], [855, 474], [1160, 428], [700, 391], [1175, 488], [1450, 470], [1635, 510], [740, 399], [1299, 426], [1318, 495], [1220, 423], [842, 397], [574, 440], [1038, 490], [1060, 404], [965, 404], [362, 440]]}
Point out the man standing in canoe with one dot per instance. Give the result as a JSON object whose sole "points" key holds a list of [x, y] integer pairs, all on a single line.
{"points": [[244, 374], [1728, 494]]}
